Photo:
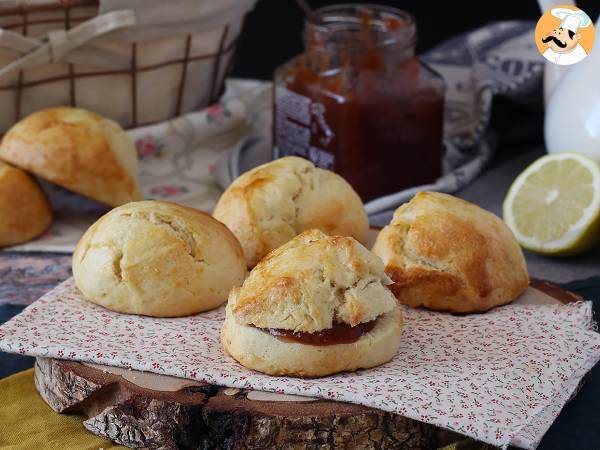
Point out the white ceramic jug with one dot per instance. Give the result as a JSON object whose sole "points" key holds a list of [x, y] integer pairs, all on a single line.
{"points": [[572, 121]]}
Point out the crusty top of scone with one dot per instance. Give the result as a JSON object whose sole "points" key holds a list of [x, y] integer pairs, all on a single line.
{"points": [[458, 248], [157, 258], [78, 150], [270, 204], [312, 281]]}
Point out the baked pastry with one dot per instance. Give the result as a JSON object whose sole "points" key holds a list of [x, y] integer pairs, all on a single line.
{"points": [[269, 205], [447, 254], [78, 150], [158, 259], [315, 306], [25, 211]]}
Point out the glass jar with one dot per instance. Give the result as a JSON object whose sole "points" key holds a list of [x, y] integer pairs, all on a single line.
{"points": [[359, 102]]}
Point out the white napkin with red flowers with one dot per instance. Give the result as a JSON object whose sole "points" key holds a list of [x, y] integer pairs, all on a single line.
{"points": [[500, 377]]}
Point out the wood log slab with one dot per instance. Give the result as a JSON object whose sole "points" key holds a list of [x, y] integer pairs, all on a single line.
{"points": [[193, 415], [145, 410]]}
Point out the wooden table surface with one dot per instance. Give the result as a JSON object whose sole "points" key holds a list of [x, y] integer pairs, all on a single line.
{"points": [[27, 276]]}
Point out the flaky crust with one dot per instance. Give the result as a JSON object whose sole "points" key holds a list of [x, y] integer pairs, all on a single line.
{"points": [[158, 259], [312, 281], [269, 205], [258, 350], [78, 150], [447, 254], [25, 211]]}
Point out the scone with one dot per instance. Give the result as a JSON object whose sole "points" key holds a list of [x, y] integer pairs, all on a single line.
{"points": [[78, 150], [315, 306], [25, 211], [447, 254], [269, 205], [158, 259]]}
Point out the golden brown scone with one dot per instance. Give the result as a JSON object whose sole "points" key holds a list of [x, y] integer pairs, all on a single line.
{"points": [[158, 259], [269, 205], [447, 254], [312, 284], [78, 150], [25, 211]]}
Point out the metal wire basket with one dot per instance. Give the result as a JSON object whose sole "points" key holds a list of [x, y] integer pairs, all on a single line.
{"points": [[137, 62]]}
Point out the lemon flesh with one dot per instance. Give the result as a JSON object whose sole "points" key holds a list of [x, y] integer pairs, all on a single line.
{"points": [[553, 206]]}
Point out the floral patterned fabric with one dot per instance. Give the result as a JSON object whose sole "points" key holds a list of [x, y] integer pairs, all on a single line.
{"points": [[500, 377]]}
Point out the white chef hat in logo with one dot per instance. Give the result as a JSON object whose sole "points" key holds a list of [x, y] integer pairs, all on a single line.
{"points": [[570, 19]]}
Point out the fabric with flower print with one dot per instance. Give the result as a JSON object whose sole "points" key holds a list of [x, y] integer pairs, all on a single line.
{"points": [[500, 377], [149, 146]]}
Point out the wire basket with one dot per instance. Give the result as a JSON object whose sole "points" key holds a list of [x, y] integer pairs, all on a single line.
{"points": [[137, 62]]}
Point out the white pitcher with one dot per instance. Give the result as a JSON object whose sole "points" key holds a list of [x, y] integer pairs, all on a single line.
{"points": [[572, 121]]}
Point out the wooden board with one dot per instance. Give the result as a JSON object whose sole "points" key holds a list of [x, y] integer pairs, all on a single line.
{"points": [[140, 409]]}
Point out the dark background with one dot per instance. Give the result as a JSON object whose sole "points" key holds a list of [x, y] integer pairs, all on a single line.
{"points": [[273, 30]]}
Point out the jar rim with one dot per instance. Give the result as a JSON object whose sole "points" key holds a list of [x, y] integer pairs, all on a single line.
{"points": [[348, 16]]}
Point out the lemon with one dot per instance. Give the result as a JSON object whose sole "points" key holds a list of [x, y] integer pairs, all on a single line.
{"points": [[553, 206]]}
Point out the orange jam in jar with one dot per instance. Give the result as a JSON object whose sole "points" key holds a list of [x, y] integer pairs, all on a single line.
{"points": [[359, 102]]}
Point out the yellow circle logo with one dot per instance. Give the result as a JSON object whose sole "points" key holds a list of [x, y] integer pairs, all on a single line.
{"points": [[564, 35]]}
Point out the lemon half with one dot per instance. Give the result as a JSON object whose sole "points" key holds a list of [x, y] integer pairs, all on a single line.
{"points": [[553, 206]]}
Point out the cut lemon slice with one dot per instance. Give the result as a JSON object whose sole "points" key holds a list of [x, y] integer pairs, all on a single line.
{"points": [[553, 207]]}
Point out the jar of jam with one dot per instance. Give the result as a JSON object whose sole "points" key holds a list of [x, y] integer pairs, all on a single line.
{"points": [[359, 102]]}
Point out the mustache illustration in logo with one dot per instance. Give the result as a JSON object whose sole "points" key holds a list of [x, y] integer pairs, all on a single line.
{"points": [[556, 41]]}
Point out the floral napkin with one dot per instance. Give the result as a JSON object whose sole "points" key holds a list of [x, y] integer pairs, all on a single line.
{"points": [[500, 377]]}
